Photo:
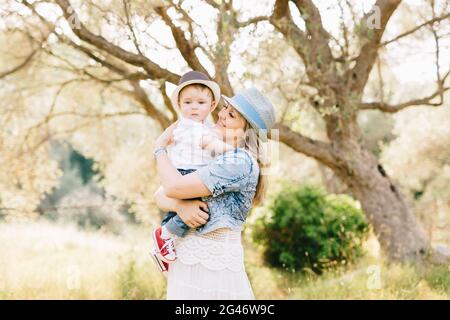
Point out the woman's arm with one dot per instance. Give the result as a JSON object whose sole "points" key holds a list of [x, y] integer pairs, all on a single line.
{"points": [[192, 212], [164, 202], [175, 184]]}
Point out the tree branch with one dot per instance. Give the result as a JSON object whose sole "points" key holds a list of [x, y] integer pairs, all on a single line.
{"points": [[417, 102], [318, 150], [213, 4], [440, 81], [371, 38], [167, 101], [282, 21], [101, 116], [141, 96], [138, 94], [185, 47], [226, 31], [313, 20], [191, 23], [407, 33], [154, 71], [52, 107], [244, 24], [312, 45], [130, 26], [280, 9], [27, 60], [126, 74], [346, 46]]}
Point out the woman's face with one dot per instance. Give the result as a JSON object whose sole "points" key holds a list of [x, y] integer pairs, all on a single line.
{"points": [[231, 124]]}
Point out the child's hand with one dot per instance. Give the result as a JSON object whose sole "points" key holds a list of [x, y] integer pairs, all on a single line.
{"points": [[166, 137]]}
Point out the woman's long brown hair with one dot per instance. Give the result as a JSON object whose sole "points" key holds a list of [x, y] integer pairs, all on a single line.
{"points": [[258, 150]]}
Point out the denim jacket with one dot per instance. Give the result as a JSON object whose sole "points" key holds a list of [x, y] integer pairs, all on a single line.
{"points": [[232, 179]]}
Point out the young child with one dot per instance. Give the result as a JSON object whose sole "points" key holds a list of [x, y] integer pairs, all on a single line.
{"points": [[196, 97]]}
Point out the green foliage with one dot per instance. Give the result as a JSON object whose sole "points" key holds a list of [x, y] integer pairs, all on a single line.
{"points": [[438, 278], [309, 230], [84, 164]]}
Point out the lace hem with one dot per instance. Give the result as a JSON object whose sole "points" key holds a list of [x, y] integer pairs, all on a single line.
{"points": [[217, 250]]}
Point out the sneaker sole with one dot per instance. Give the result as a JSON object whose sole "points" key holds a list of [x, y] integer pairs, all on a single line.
{"points": [[158, 262], [155, 242]]}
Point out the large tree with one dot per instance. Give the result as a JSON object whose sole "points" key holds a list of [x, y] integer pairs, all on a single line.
{"points": [[336, 69]]}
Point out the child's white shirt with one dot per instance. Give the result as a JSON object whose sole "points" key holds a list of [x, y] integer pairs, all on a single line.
{"points": [[186, 151]]}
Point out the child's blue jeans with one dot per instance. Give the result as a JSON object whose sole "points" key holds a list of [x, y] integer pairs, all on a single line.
{"points": [[172, 221]]}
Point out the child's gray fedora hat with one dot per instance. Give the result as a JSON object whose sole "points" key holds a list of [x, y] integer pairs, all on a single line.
{"points": [[194, 77], [255, 108]]}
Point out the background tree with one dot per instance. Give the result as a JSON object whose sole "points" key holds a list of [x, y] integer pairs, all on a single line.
{"points": [[111, 45]]}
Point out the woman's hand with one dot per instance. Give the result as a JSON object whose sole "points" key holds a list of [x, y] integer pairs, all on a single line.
{"points": [[190, 211], [166, 137]]}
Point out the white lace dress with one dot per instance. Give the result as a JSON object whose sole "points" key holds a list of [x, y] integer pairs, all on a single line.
{"points": [[209, 267]]}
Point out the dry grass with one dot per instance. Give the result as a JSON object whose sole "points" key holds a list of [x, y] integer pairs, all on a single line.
{"points": [[47, 261], [370, 278]]}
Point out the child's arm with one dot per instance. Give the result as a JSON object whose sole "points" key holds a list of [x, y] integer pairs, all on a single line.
{"points": [[212, 143], [174, 183]]}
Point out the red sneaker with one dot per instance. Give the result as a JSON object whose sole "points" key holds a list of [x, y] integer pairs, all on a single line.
{"points": [[162, 266], [165, 247]]}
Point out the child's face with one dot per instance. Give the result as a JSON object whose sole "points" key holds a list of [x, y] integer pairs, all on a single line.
{"points": [[196, 103]]}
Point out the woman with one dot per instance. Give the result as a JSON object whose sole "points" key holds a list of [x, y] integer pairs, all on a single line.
{"points": [[210, 262]]}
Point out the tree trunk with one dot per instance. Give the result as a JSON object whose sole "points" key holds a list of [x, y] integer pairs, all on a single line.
{"points": [[400, 235]]}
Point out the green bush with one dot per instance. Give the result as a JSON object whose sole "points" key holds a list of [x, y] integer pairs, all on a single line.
{"points": [[309, 230]]}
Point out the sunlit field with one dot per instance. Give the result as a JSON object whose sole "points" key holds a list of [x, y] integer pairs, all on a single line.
{"points": [[44, 261], [41, 260], [359, 142]]}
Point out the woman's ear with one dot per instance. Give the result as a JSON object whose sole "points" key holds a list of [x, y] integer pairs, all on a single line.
{"points": [[214, 105]]}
